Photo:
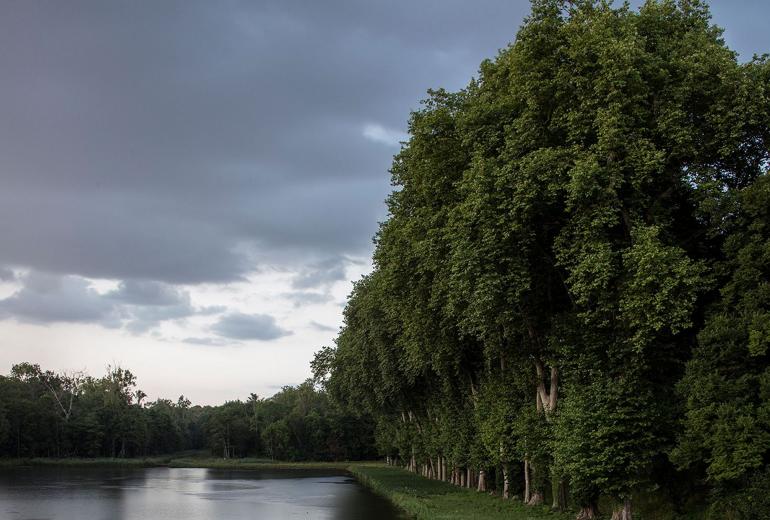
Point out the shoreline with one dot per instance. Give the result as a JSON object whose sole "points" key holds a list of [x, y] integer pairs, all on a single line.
{"points": [[172, 462], [418, 497], [425, 499]]}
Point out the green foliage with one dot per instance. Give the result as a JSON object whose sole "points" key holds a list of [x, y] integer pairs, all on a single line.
{"points": [[560, 228], [727, 383], [44, 414]]}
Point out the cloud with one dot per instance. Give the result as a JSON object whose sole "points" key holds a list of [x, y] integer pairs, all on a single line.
{"points": [[149, 293], [321, 274], [380, 134], [7, 274], [171, 143], [302, 298], [240, 326], [210, 342], [148, 303], [46, 298], [322, 327], [137, 306]]}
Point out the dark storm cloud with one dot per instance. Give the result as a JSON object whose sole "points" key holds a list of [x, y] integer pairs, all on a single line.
{"points": [[237, 325], [185, 141]]}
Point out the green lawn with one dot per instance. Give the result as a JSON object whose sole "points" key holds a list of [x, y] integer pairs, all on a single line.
{"points": [[426, 499]]}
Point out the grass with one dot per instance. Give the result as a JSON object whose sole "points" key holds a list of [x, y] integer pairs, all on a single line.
{"points": [[426, 499]]}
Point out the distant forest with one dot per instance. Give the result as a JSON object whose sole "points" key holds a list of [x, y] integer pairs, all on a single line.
{"points": [[48, 414], [570, 300]]}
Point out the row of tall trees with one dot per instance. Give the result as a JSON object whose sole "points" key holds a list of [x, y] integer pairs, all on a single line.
{"points": [[571, 292], [48, 414]]}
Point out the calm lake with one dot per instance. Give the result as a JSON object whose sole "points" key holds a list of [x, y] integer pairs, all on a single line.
{"points": [[47, 493]]}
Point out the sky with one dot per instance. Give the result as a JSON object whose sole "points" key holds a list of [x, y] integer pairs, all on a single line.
{"points": [[188, 188]]}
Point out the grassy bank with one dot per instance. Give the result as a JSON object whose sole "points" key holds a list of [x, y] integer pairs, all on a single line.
{"points": [[426, 499]]}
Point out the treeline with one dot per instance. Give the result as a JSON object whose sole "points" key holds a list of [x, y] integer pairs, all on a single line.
{"points": [[48, 414], [571, 292]]}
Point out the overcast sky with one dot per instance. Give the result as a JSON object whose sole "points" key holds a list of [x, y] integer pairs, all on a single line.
{"points": [[188, 188]]}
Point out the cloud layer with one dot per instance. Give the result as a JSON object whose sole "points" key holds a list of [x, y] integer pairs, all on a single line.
{"points": [[193, 141]]}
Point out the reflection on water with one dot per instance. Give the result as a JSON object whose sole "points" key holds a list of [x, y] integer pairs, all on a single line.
{"points": [[184, 494]]}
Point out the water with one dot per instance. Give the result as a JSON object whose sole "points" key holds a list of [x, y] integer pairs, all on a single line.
{"points": [[50, 493]]}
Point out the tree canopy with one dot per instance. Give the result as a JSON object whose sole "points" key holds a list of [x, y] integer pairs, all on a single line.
{"points": [[570, 291]]}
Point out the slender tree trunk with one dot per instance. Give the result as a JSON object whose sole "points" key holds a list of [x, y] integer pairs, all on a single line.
{"points": [[482, 487], [623, 512], [506, 483], [526, 482]]}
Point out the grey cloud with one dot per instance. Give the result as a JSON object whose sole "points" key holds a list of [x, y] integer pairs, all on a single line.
{"points": [[320, 274], [249, 327], [149, 293], [46, 298], [7, 274], [154, 143], [137, 306], [148, 303]]}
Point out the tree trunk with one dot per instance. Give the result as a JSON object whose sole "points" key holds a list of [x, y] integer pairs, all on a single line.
{"points": [[482, 487], [506, 483], [536, 499], [589, 512], [623, 512], [526, 482], [559, 495]]}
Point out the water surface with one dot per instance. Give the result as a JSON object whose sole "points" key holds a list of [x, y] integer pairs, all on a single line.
{"points": [[51, 493]]}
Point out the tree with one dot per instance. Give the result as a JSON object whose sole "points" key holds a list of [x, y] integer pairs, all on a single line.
{"points": [[727, 382]]}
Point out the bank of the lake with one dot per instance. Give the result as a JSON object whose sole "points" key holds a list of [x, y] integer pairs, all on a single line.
{"points": [[426, 499]]}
